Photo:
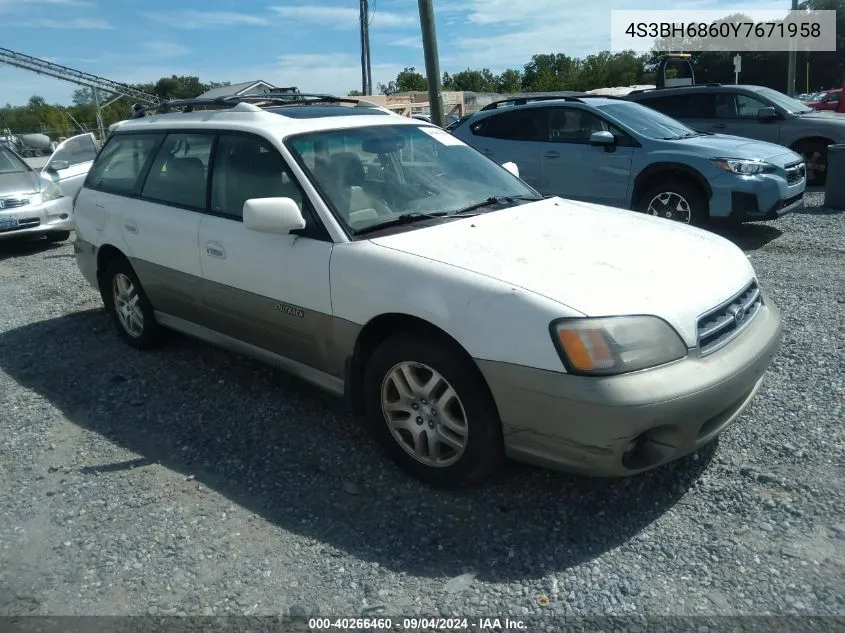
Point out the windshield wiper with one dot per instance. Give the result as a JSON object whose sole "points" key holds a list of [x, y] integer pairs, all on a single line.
{"points": [[496, 200], [405, 218]]}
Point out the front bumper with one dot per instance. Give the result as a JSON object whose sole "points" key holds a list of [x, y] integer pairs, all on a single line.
{"points": [[755, 198], [590, 424], [55, 215]]}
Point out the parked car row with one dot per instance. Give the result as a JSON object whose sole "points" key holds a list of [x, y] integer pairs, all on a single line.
{"points": [[465, 315]]}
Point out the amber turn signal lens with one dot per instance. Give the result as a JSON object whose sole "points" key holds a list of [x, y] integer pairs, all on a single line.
{"points": [[586, 349]]}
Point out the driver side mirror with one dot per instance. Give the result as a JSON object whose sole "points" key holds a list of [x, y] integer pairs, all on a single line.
{"points": [[58, 165], [278, 216], [602, 137], [767, 114], [512, 168]]}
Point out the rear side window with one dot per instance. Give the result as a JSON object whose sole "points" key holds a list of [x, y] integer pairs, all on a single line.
{"points": [[179, 173], [684, 106], [122, 162], [517, 125]]}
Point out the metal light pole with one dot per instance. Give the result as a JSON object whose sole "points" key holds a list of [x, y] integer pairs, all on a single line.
{"points": [[432, 61], [793, 53]]}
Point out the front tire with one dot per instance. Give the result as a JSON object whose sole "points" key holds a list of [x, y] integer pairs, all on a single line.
{"points": [[128, 306], [430, 408], [815, 161], [675, 200]]}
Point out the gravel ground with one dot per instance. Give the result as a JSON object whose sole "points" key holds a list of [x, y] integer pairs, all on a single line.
{"points": [[194, 481]]}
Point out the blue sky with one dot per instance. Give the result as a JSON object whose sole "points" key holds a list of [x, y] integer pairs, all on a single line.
{"points": [[312, 44]]}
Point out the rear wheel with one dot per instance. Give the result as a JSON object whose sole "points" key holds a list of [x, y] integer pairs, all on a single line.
{"points": [[128, 306], [815, 161], [676, 200], [429, 406]]}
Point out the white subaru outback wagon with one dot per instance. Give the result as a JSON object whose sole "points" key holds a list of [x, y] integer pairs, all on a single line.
{"points": [[382, 259]]}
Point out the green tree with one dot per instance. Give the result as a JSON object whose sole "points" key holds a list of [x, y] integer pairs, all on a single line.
{"points": [[509, 81], [550, 72], [409, 80]]}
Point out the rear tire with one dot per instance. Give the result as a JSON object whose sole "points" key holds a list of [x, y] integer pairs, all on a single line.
{"points": [[815, 161], [431, 409], [58, 236], [128, 306], [676, 200]]}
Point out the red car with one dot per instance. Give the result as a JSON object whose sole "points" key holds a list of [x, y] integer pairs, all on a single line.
{"points": [[827, 100]]}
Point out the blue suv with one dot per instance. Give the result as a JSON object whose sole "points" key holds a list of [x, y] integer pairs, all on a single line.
{"points": [[622, 154]]}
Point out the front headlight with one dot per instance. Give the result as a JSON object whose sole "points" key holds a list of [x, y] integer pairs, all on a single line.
{"points": [[51, 192], [616, 345], [744, 167]]}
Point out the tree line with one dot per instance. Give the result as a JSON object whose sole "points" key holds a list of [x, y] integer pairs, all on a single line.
{"points": [[61, 121]]}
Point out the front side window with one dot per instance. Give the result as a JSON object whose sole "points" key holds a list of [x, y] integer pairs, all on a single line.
{"points": [[247, 167], [731, 105], [372, 175], [119, 167], [575, 125], [179, 173], [74, 151]]}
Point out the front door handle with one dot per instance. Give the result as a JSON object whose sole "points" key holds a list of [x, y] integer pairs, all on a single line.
{"points": [[131, 227], [487, 152], [718, 126], [552, 154], [215, 249]]}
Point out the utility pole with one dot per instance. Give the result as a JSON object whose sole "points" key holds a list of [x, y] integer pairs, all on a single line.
{"points": [[793, 53], [432, 61], [366, 66]]}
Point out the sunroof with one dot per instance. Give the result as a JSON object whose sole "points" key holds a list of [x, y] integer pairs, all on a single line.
{"points": [[317, 112]]}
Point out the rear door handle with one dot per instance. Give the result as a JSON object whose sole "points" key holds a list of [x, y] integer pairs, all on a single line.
{"points": [[131, 227], [718, 126], [552, 154], [215, 249], [487, 152]]}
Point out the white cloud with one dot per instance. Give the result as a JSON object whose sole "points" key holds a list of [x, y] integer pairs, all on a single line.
{"points": [[407, 42], [8, 6], [192, 19], [74, 23], [343, 17], [165, 49]]}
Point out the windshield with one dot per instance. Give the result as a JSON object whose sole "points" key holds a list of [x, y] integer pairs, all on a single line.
{"points": [[372, 175], [647, 122], [9, 163], [787, 103]]}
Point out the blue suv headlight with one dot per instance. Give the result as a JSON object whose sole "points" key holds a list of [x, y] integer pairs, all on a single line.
{"points": [[744, 166]]}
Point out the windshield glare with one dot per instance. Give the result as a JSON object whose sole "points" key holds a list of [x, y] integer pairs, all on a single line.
{"points": [[787, 103], [371, 175], [9, 163], [647, 122]]}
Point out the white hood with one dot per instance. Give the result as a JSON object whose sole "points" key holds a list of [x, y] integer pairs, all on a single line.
{"points": [[597, 260]]}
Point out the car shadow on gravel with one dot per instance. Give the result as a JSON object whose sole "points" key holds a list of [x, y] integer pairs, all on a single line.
{"points": [[293, 456], [23, 247], [748, 236]]}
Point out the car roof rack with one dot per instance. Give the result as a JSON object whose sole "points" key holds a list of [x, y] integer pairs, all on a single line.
{"points": [[517, 101], [642, 90], [267, 99]]}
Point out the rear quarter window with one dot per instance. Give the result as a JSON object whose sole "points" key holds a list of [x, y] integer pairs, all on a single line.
{"points": [[123, 162]]}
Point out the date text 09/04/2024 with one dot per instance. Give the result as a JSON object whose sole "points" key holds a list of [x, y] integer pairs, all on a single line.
{"points": [[417, 624]]}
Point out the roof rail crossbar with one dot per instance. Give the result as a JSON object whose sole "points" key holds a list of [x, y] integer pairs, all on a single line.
{"points": [[271, 99], [523, 100]]}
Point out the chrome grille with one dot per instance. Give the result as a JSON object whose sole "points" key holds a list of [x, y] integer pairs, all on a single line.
{"points": [[718, 327], [13, 203], [795, 172]]}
